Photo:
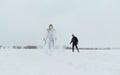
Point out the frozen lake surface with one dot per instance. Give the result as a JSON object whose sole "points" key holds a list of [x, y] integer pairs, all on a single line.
{"points": [[59, 62]]}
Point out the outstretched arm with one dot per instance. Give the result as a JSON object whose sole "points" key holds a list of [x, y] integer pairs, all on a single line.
{"points": [[71, 41], [45, 37]]}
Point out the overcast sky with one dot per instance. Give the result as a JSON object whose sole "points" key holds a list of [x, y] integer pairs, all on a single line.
{"points": [[95, 22]]}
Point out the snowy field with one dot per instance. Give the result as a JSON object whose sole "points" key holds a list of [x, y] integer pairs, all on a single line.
{"points": [[59, 62], [96, 23]]}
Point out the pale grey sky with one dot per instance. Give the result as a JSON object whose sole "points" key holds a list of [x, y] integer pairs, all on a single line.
{"points": [[95, 22]]}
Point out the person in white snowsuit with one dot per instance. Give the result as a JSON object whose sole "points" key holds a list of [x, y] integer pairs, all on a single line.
{"points": [[50, 37]]}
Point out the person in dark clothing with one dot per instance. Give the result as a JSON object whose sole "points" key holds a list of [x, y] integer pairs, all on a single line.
{"points": [[74, 42]]}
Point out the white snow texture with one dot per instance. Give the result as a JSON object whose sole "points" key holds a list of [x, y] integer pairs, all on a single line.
{"points": [[59, 62]]}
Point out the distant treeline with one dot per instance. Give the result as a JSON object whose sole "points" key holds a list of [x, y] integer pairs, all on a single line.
{"points": [[40, 47], [20, 47], [107, 48]]}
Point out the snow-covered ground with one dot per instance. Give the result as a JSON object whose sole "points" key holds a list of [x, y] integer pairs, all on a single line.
{"points": [[59, 62]]}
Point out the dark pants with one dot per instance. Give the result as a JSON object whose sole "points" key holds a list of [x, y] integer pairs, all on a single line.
{"points": [[74, 45]]}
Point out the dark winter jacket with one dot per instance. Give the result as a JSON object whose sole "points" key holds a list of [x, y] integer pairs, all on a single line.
{"points": [[74, 40]]}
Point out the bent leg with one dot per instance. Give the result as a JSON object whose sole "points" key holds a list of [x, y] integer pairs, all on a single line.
{"points": [[49, 44], [77, 48]]}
